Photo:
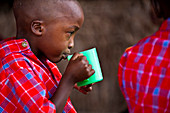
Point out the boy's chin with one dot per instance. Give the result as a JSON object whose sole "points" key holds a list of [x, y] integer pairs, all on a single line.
{"points": [[56, 60]]}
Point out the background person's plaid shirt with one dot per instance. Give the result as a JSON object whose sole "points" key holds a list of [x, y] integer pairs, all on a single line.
{"points": [[26, 84], [144, 73]]}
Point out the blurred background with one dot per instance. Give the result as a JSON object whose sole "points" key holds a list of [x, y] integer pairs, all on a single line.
{"points": [[111, 26]]}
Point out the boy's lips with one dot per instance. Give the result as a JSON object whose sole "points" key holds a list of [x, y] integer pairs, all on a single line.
{"points": [[65, 56]]}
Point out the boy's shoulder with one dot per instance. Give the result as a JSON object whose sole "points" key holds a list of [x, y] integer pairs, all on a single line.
{"points": [[12, 45]]}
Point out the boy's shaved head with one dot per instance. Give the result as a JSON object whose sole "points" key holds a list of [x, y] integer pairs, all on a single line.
{"points": [[48, 25], [43, 8], [26, 11]]}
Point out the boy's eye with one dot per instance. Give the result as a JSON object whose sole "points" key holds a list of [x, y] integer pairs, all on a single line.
{"points": [[69, 34], [72, 32]]}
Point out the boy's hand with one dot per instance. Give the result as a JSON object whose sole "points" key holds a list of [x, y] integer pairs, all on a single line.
{"points": [[78, 68], [84, 89]]}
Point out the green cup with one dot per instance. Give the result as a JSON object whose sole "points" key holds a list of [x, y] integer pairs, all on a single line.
{"points": [[92, 57]]}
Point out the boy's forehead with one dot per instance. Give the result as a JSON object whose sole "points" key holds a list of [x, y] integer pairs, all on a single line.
{"points": [[65, 7]]}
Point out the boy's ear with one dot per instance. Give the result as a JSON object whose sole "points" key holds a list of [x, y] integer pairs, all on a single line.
{"points": [[37, 27]]}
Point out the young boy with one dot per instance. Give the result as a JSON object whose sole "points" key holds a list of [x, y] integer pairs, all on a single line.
{"points": [[144, 69], [30, 81]]}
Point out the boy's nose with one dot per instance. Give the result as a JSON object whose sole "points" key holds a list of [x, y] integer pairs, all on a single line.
{"points": [[71, 44]]}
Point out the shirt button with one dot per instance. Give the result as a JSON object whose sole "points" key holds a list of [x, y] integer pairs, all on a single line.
{"points": [[24, 44]]}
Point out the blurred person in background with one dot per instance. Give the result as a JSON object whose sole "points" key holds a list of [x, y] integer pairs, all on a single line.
{"points": [[144, 68]]}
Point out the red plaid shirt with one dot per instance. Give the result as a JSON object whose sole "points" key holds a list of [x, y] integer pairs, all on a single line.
{"points": [[144, 73], [26, 84]]}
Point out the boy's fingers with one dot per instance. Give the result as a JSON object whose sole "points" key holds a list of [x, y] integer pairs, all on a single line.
{"points": [[89, 89], [89, 67], [89, 85], [86, 89], [75, 56], [92, 71]]}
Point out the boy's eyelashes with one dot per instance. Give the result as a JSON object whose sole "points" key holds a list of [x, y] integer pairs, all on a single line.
{"points": [[71, 33]]}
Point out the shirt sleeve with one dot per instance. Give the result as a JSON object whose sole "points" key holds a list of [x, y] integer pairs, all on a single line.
{"points": [[23, 88]]}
